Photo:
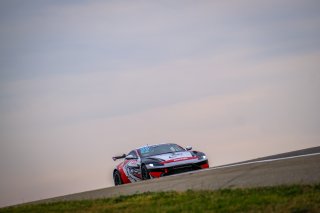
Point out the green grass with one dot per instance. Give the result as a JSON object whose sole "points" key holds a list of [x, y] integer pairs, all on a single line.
{"points": [[293, 199]]}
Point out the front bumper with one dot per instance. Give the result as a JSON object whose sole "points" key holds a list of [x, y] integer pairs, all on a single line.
{"points": [[165, 171]]}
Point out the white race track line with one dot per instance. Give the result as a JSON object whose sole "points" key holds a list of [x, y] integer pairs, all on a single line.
{"points": [[245, 163], [261, 161]]}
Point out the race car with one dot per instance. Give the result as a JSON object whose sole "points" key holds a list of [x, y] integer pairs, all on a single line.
{"points": [[154, 161]]}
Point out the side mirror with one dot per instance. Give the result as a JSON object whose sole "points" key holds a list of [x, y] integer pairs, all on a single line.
{"points": [[131, 157], [188, 148]]}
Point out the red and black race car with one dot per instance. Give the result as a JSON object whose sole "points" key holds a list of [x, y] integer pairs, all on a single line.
{"points": [[153, 161]]}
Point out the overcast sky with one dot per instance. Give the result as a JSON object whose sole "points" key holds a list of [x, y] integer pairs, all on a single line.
{"points": [[81, 81]]}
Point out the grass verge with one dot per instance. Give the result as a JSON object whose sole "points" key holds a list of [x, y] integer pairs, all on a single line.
{"points": [[293, 199]]}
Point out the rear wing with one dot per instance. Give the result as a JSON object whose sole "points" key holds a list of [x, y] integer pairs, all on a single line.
{"points": [[118, 157]]}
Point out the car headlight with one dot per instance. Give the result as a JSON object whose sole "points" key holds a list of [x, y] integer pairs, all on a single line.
{"points": [[202, 157], [154, 164]]}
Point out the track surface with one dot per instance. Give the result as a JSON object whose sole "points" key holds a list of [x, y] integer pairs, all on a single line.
{"points": [[288, 169]]}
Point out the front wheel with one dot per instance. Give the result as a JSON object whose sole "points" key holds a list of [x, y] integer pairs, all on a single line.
{"points": [[117, 178], [145, 173]]}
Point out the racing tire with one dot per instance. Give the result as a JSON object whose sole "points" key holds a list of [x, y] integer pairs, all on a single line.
{"points": [[144, 173], [117, 178]]}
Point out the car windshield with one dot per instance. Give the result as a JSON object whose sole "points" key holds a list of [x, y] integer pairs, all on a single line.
{"points": [[159, 149]]}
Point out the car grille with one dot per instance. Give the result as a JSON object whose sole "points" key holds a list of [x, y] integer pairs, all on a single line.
{"points": [[184, 168], [180, 169]]}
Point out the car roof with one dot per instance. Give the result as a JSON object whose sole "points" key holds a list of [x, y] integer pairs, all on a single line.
{"points": [[153, 145]]}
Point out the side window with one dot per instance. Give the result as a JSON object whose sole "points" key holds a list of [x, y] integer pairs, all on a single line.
{"points": [[133, 153]]}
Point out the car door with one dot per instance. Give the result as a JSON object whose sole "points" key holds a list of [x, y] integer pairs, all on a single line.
{"points": [[132, 166]]}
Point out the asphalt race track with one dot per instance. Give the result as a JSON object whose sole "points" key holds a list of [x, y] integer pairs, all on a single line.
{"points": [[300, 167]]}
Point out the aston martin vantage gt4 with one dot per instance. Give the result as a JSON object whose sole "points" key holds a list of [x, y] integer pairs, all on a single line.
{"points": [[153, 161]]}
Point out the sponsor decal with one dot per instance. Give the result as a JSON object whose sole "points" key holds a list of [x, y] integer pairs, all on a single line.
{"points": [[179, 159]]}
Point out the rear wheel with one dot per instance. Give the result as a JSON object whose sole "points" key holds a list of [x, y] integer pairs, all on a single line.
{"points": [[117, 178], [145, 173]]}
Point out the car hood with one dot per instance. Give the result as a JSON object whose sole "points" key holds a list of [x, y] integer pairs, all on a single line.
{"points": [[172, 156]]}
